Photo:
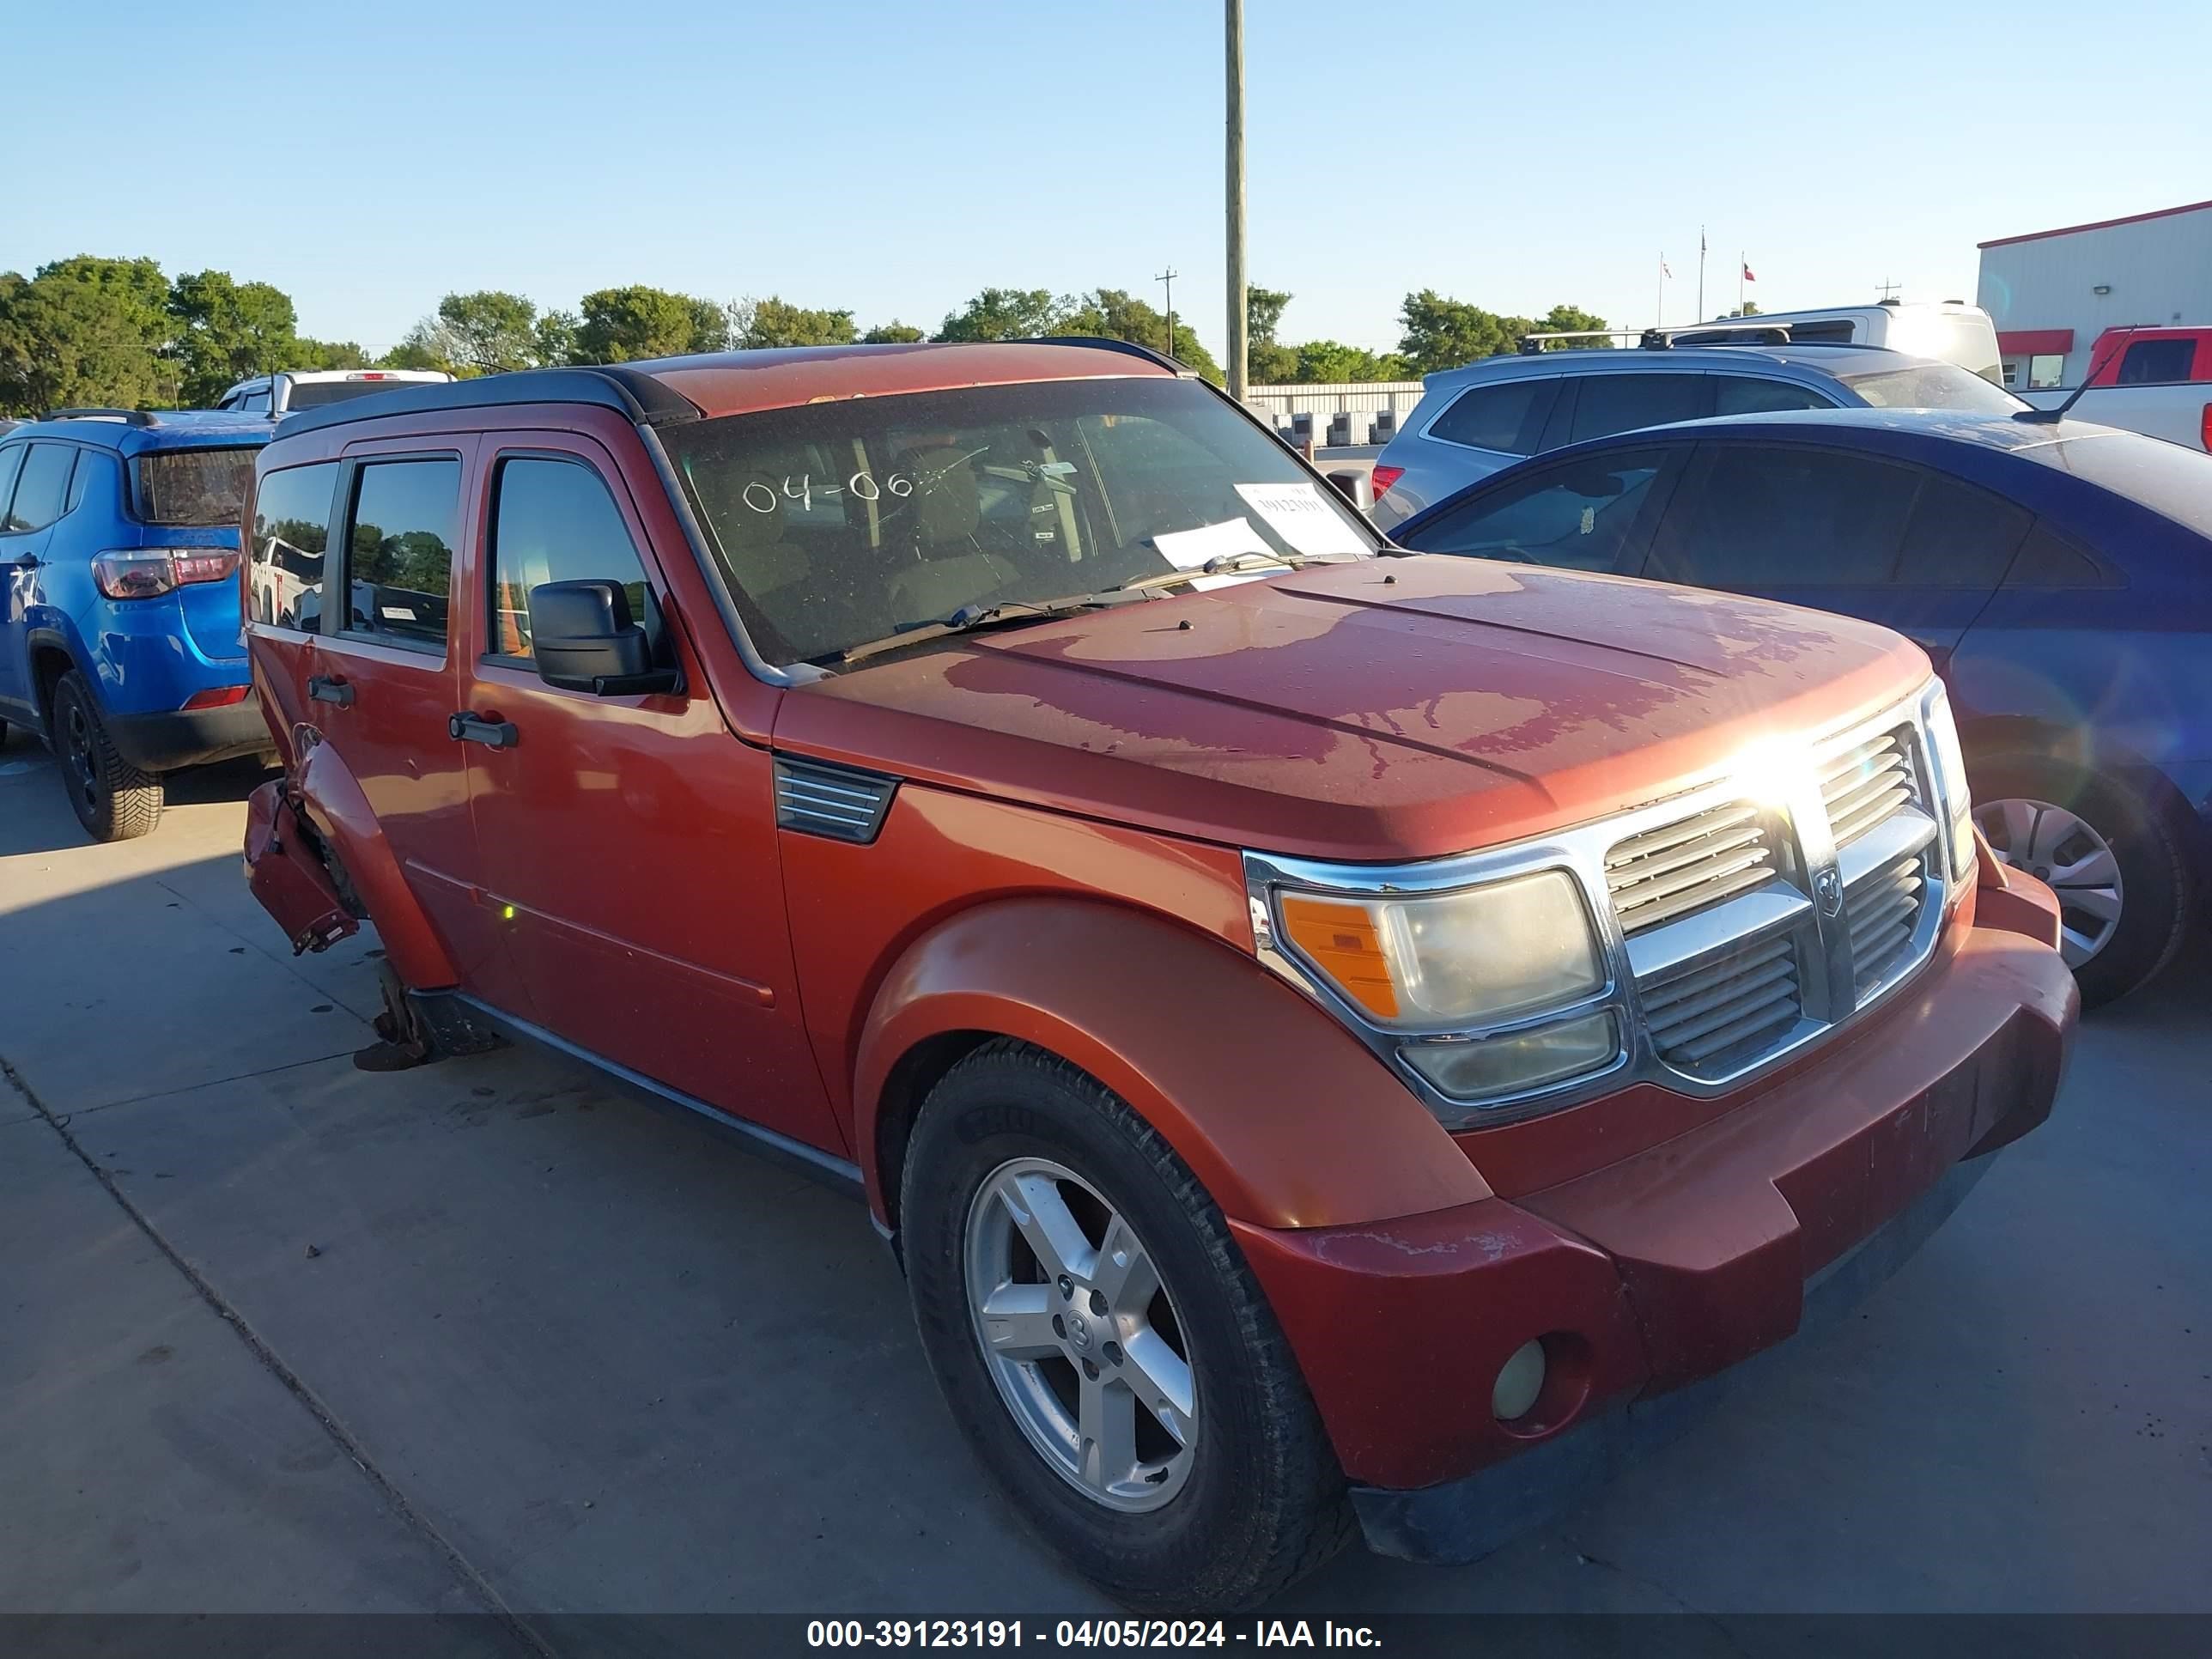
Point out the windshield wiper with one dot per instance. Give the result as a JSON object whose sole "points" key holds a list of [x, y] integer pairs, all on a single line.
{"points": [[970, 619], [1223, 564]]}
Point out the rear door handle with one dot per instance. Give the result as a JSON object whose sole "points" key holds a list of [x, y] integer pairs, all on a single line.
{"points": [[323, 688], [468, 727]]}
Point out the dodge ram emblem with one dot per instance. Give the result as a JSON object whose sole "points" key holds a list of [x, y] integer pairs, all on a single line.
{"points": [[1828, 889]]}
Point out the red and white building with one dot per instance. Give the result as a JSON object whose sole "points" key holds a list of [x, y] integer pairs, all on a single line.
{"points": [[2052, 292]]}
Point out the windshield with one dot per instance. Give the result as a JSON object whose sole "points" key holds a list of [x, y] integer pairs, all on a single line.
{"points": [[314, 394], [196, 488], [842, 523], [1932, 386]]}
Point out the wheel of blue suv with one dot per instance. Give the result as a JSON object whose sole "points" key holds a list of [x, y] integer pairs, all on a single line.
{"points": [[2116, 861], [114, 800], [1102, 1345]]}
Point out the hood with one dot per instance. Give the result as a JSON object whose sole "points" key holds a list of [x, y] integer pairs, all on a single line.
{"points": [[1394, 708]]}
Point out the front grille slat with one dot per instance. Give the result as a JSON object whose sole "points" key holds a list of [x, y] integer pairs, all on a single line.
{"points": [[1884, 914], [1863, 786], [1723, 1013], [1688, 866]]}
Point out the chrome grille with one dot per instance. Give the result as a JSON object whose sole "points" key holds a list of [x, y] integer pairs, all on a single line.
{"points": [[1861, 786], [1720, 1015], [1884, 909], [1686, 866]]}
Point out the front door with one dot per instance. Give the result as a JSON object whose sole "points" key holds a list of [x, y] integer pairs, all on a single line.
{"points": [[628, 842]]}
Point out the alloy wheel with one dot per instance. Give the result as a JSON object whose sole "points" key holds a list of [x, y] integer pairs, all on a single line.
{"points": [[1080, 1335], [83, 768], [2059, 847]]}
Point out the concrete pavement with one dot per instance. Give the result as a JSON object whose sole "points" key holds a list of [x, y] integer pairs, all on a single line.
{"points": [[280, 1334]]}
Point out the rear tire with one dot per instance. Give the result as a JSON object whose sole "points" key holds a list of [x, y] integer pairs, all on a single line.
{"points": [[2028, 806], [114, 800], [1255, 1498]]}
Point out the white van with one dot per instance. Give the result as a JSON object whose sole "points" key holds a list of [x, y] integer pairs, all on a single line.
{"points": [[1949, 331], [274, 395]]}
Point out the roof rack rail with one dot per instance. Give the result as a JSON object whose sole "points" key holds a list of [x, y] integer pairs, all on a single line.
{"points": [[1105, 342], [1661, 339], [630, 390], [128, 416]]}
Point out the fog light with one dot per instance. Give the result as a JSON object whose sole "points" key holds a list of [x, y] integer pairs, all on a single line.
{"points": [[1519, 1380]]}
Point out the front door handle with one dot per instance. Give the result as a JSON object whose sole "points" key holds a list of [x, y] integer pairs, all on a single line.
{"points": [[324, 689], [468, 727]]}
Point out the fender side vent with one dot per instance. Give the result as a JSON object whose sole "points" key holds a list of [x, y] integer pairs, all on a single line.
{"points": [[834, 801]]}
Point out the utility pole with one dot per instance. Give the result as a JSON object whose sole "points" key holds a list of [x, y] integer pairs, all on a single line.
{"points": [[1168, 277], [1233, 17], [1888, 290]]}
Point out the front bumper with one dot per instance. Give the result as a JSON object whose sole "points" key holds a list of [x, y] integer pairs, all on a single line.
{"points": [[189, 736], [1667, 1267]]}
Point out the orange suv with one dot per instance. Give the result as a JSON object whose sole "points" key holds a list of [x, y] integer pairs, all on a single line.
{"points": [[1317, 1024]]}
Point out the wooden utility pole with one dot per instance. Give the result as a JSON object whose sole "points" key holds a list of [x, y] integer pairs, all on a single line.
{"points": [[1233, 17]]}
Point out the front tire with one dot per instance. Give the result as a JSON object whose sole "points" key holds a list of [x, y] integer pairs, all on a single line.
{"points": [[1134, 1396], [2124, 884], [114, 800]]}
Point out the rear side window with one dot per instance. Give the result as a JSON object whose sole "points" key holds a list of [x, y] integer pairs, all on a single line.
{"points": [[1620, 403], [194, 486], [1506, 417], [11, 463], [1764, 516], [399, 547], [284, 565], [1958, 536], [95, 477], [2157, 362], [2047, 559], [1743, 394], [1577, 515], [556, 521], [43, 489]]}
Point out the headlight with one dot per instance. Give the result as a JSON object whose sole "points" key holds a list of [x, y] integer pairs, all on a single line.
{"points": [[1445, 961], [1955, 800]]}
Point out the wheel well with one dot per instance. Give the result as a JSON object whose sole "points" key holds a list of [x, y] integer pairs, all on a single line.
{"points": [[48, 664], [904, 1090], [1992, 741]]}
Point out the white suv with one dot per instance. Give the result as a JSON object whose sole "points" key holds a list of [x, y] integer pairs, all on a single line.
{"points": [[277, 394]]}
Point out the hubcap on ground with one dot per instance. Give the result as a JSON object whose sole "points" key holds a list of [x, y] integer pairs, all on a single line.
{"points": [[83, 773], [1079, 1334], [2059, 847]]}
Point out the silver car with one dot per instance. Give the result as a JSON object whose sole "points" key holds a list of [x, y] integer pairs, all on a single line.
{"points": [[1472, 420]]}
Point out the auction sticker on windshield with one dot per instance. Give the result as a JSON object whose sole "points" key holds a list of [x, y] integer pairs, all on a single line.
{"points": [[1302, 517]]}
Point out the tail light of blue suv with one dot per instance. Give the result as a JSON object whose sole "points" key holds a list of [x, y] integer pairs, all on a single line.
{"points": [[149, 572], [1385, 476]]}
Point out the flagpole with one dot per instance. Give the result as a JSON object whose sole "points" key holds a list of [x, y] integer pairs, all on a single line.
{"points": [[1739, 268], [1700, 317], [1661, 319]]}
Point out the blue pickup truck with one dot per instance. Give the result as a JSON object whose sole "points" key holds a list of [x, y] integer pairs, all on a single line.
{"points": [[120, 629]]}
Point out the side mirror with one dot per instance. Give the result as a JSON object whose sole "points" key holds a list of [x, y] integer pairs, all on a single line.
{"points": [[1355, 486], [583, 640]]}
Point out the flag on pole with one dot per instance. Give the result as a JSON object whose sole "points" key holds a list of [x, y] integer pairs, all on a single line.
{"points": [[1747, 277], [1663, 271]]}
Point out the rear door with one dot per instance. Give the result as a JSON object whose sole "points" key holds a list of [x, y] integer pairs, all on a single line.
{"points": [[382, 673], [628, 843], [40, 496], [14, 648], [1837, 530]]}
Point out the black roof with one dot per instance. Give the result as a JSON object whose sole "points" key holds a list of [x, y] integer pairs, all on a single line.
{"points": [[629, 391]]}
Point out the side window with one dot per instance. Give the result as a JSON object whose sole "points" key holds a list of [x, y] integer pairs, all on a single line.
{"points": [[556, 521], [1958, 536], [1761, 516], [1506, 417], [2157, 362], [11, 463], [291, 528], [1744, 394], [43, 489], [1621, 403], [2047, 559], [1577, 515], [399, 552], [96, 476], [255, 403]]}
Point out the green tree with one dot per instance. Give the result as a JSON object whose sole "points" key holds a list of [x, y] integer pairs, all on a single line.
{"points": [[711, 329], [488, 333], [227, 331], [424, 346], [619, 325], [329, 353], [1748, 308], [1114, 313], [86, 331], [892, 333], [1007, 313], [553, 342], [1441, 334], [777, 322], [1327, 360], [1263, 315], [1566, 319]]}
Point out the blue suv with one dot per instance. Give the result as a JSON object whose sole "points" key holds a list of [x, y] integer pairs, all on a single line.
{"points": [[119, 637]]}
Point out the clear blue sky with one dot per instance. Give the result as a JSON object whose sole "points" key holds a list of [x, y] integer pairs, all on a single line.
{"points": [[895, 158]]}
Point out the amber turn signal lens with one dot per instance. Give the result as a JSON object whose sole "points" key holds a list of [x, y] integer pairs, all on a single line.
{"points": [[1342, 941]]}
